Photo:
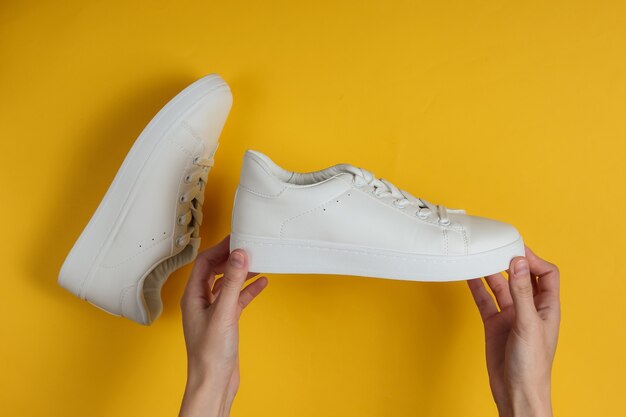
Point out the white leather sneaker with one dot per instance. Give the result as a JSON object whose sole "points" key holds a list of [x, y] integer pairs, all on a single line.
{"points": [[147, 224], [342, 220]]}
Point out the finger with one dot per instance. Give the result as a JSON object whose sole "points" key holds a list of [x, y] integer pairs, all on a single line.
{"points": [[217, 287], [251, 291], [221, 267], [500, 288], [218, 283], [235, 274], [208, 260], [522, 290], [534, 283], [548, 274], [202, 274], [548, 283], [485, 303]]}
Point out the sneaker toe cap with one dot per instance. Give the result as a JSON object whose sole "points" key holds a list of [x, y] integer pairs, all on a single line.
{"points": [[209, 114], [486, 234]]}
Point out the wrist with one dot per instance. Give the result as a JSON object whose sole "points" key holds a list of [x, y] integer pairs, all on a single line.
{"points": [[205, 397], [528, 404]]}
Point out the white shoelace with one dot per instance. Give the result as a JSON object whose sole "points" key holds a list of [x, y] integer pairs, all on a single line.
{"points": [[195, 195], [384, 188]]}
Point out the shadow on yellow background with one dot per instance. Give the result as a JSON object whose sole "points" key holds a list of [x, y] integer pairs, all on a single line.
{"points": [[514, 112]]}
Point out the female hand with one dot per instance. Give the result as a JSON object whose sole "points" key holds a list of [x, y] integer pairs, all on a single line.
{"points": [[521, 337], [211, 309]]}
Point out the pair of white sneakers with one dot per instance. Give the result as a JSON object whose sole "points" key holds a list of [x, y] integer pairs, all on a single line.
{"points": [[339, 220]]}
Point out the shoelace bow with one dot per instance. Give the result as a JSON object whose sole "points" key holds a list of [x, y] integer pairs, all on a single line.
{"points": [[384, 188], [195, 196]]}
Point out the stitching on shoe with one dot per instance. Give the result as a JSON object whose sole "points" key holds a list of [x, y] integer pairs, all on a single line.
{"points": [[178, 145], [445, 241], [123, 298], [465, 240], [403, 257], [255, 159], [412, 217], [352, 187], [192, 132], [260, 194], [156, 242], [284, 223]]}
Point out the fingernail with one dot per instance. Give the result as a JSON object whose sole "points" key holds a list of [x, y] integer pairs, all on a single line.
{"points": [[521, 267], [236, 259]]}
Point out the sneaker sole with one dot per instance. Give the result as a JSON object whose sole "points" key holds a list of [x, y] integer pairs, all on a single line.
{"points": [[270, 255], [82, 262]]}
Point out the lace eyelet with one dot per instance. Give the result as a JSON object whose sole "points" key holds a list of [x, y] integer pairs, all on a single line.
{"points": [[180, 220], [422, 215], [182, 199], [179, 242], [445, 222], [195, 160], [187, 179]]}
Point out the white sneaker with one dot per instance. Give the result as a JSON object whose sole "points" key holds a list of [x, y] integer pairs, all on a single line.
{"points": [[342, 220], [147, 224]]}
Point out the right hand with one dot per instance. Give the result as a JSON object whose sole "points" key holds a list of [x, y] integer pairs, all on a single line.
{"points": [[211, 310], [521, 334]]}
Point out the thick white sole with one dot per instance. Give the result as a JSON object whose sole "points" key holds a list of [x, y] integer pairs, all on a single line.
{"points": [[83, 260], [273, 255]]}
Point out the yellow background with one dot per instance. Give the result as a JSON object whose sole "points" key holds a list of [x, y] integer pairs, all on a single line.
{"points": [[515, 111]]}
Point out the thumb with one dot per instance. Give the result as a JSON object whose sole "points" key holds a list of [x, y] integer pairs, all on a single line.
{"points": [[521, 289], [235, 274]]}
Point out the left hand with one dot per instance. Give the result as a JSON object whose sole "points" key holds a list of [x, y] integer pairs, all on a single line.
{"points": [[211, 309]]}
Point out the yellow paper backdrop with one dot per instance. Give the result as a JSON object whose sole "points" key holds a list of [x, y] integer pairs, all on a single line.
{"points": [[511, 110]]}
